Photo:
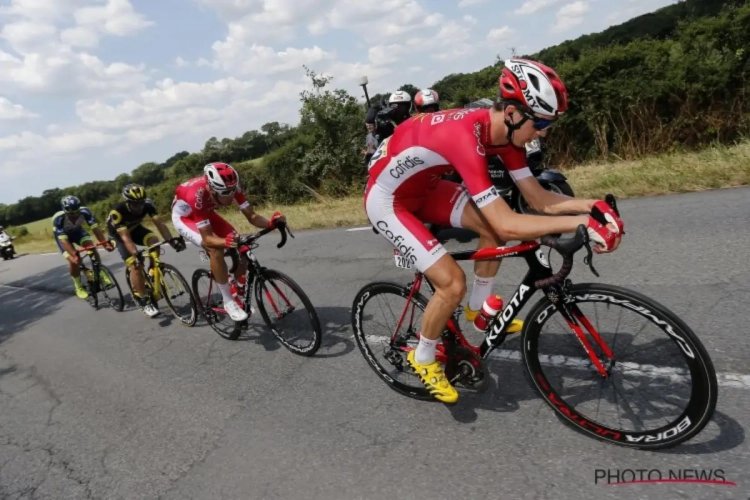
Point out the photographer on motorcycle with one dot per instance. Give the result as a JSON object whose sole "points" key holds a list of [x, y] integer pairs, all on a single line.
{"points": [[386, 119]]}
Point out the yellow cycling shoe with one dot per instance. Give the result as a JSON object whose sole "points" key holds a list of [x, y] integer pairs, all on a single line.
{"points": [[82, 294], [434, 380], [515, 326], [104, 278]]}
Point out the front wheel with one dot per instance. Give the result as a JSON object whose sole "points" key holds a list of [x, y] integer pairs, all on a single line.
{"points": [[305, 322], [116, 302], [173, 286], [672, 367]]}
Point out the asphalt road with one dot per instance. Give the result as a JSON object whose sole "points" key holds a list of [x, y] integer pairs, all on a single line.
{"points": [[100, 404]]}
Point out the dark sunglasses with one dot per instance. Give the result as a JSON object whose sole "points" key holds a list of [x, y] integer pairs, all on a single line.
{"points": [[539, 123], [225, 192]]}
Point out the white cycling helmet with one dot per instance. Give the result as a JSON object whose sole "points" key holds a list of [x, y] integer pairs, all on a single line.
{"points": [[399, 96], [426, 97], [221, 177], [534, 85]]}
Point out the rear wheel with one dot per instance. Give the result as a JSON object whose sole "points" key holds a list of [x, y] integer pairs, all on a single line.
{"points": [[653, 374], [210, 303], [390, 365]]}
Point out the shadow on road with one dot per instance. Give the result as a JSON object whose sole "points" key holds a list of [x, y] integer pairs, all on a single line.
{"points": [[335, 326], [26, 300]]}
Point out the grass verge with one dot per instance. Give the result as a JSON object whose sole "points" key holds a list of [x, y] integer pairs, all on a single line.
{"points": [[712, 168]]}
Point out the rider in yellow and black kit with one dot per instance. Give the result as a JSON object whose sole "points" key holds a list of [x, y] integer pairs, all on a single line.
{"points": [[124, 225]]}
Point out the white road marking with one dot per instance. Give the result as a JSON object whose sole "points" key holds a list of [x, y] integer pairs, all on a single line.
{"points": [[724, 379], [359, 228]]}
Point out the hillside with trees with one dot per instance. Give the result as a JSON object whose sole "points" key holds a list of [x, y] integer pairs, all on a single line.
{"points": [[676, 78]]}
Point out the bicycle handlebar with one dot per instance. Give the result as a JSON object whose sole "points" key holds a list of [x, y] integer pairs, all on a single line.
{"points": [[248, 240], [88, 248], [283, 228], [567, 246], [146, 250]]}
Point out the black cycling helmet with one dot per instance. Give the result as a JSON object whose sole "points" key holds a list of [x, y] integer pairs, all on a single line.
{"points": [[134, 192]]}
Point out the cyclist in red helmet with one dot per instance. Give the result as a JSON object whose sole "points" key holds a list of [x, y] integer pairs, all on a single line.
{"points": [[405, 191], [195, 218]]}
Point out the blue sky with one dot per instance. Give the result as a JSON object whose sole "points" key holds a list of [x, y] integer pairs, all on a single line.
{"points": [[90, 89]]}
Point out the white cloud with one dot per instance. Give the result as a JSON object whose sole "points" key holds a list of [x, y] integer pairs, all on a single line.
{"points": [[500, 35], [261, 59], [468, 3], [531, 7], [116, 17], [47, 60], [10, 111], [570, 15]]}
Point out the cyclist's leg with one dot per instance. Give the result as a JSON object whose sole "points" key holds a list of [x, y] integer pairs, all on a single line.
{"points": [[396, 222], [222, 228], [450, 204], [73, 268], [187, 228], [142, 236]]}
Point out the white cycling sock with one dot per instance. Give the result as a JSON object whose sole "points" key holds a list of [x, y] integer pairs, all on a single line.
{"points": [[425, 351], [225, 293], [481, 289]]}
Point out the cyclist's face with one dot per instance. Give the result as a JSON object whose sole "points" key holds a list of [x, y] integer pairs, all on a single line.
{"points": [[224, 199]]}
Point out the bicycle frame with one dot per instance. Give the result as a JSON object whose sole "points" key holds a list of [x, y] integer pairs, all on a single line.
{"points": [[95, 269], [154, 253], [254, 269], [538, 277]]}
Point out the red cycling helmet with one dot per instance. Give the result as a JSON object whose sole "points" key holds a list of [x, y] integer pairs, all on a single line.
{"points": [[534, 85], [221, 177]]}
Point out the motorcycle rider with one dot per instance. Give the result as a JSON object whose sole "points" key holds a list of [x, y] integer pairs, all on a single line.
{"points": [[387, 119]]}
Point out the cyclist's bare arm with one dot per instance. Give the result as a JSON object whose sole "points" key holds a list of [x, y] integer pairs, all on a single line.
{"points": [[209, 239], [551, 203], [127, 241], [510, 225], [67, 246], [99, 234], [163, 229], [254, 218]]}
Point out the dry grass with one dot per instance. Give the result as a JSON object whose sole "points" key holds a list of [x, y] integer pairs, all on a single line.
{"points": [[712, 168]]}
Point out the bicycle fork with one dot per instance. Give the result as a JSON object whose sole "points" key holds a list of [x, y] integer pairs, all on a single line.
{"points": [[575, 318]]}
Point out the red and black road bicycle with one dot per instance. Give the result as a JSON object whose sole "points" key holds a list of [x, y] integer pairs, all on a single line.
{"points": [[591, 356]]}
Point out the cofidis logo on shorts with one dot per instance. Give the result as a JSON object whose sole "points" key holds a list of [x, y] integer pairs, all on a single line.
{"points": [[405, 165]]}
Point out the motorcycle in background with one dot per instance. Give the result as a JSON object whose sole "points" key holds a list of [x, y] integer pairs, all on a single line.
{"points": [[6, 246]]}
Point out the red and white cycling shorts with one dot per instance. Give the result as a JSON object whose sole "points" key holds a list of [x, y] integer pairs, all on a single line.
{"points": [[189, 230], [401, 220]]}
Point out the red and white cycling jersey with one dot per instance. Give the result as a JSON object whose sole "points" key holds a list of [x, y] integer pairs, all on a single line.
{"points": [[193, 201], [427, 146], [405, 189]]}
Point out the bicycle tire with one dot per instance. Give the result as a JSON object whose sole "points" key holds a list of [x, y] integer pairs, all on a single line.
{"points": [[704, 392], [112, 278], [170, 269], [208, 315], [93, 290], [270, 275], [146, 283], [366, 293]]}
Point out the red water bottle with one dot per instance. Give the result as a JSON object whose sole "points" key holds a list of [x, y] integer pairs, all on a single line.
{"points": [[490, 308]]}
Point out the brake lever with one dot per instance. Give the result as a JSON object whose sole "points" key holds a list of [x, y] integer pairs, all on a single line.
{"points": [[589, 259]]}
